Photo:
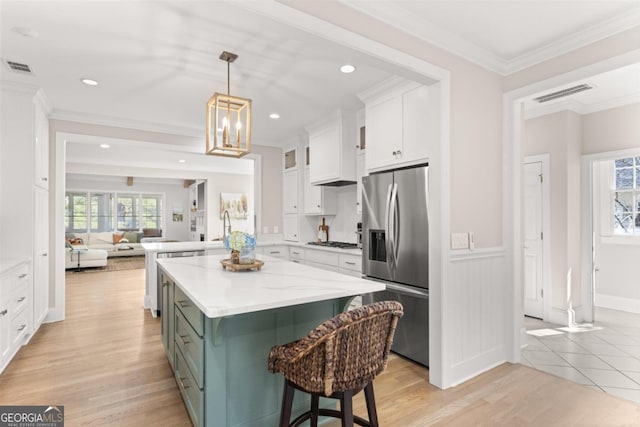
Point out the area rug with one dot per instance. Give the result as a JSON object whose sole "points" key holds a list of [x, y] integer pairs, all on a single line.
{"points": [[116, 264]]}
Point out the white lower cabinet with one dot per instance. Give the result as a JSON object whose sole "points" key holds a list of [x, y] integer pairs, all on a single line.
{"points": [[351, 264], [16, 310], [296, 254], [278, 251]]}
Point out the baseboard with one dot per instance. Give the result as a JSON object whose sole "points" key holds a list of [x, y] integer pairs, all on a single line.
{"points": [[559, 316], [631, 305], [483, 362]]}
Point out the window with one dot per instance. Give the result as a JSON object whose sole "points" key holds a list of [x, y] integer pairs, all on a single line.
{"points": [[128, 208], [106, 211], [626, 200], [101, 211], [76, 216], [151, 211]]}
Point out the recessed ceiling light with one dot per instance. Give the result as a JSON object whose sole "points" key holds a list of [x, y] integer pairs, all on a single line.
{"points": [[181, 161], [347, 68], [26, 32], [90, 82], [104, 146], [274, 116]]}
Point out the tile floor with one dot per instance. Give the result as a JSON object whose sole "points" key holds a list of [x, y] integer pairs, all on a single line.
{"points": [[605, 356]]}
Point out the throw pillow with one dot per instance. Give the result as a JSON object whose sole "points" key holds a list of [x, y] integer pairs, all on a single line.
{"points": [[76, 241], [117, 237], [131, 236]]}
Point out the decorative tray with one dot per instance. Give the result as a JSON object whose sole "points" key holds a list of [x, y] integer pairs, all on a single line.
{"points": [[227, 264]]}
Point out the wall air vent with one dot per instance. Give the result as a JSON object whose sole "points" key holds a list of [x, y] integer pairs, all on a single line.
{"points": [[16, 66], [563, 92]]}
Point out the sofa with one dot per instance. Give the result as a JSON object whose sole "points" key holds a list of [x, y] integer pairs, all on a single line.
{"points": [[116, 243], [84, 257]]}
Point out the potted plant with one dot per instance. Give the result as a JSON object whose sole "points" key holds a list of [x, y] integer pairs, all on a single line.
{"points": [[242, 246]]}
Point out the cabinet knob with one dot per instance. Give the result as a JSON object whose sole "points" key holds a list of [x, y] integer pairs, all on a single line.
{"points": [[45, 179], [22, 327], [295, 207], [3, 312], [399, 152], [23, 275], [44, 254], [318, 205]]}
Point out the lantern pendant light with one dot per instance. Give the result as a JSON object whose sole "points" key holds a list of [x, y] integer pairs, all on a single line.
{"points": [[228, 124]]}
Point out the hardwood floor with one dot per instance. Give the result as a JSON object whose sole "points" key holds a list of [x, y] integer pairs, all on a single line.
{"points": [[106, 365]]}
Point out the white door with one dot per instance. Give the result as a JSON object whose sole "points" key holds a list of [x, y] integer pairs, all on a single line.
{"points": [[533, 272]]}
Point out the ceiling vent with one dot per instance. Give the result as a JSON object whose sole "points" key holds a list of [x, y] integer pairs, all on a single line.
{"points": [[563, 93], [16, 66]]}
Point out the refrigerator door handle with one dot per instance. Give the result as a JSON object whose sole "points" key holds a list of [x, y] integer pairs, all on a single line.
{"points": [[407, 290], [389, 233], [396, 225]]}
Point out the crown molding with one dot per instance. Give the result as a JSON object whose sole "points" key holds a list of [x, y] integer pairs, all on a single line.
{"points": [[608, 28], [101, 120], [431, 32]]}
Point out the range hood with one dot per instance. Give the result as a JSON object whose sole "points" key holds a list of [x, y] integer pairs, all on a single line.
{"points": [[332, 150], [340, 183]]}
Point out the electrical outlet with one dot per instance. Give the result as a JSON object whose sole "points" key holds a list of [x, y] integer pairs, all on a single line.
{"points": [[459, 241], [472, 242], [265, 230]]}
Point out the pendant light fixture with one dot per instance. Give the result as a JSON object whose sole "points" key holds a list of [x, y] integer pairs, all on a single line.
{"points": [[228, 120]]}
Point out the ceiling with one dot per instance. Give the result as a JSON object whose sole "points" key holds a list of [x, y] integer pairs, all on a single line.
{"points": [[157, 62]]}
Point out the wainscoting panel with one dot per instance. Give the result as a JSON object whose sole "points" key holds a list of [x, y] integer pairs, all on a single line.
{"points": [[476, 315]]}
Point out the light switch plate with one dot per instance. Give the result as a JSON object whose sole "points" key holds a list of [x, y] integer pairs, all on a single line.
{"points": [[275, 229], [459, 241], [265, 230]]}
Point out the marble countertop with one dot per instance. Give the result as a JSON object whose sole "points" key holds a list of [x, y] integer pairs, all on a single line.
{"points": [[217, 292], [151, 247], [179, 246]]}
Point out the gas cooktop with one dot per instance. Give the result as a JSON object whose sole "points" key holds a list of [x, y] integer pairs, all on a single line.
{"points": [[331, 244]]}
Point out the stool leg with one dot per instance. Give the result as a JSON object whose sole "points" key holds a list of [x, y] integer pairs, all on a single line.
{"points": [[315, 404], [287, 404], [346, 406], [371, 405]]}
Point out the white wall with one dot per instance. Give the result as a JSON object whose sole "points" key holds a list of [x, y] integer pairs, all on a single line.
{"points": [[611, 130], [228, 183], [175, 196], [616, 258], [559, 135]]}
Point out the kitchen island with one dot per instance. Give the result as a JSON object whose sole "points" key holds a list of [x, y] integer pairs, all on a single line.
{"points": [[218, 327]]}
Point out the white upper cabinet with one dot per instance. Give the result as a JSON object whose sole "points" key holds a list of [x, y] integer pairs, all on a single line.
{"points": [[331, 149], [290, 192], [319, 200], [41, 145], [361, 171], [402, 120]]}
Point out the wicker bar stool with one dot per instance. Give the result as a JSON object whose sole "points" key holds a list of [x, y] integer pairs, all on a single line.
{"points": [[338, 359]]}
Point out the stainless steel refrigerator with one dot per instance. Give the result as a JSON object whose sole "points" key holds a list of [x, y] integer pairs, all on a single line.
{"points": [[395, 245]]}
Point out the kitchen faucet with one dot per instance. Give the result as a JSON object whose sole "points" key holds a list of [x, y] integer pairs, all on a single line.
{"points": [[225, 218]]}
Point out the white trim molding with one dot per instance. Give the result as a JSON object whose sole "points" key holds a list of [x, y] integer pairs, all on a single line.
{"points": [[631, 305], [429, 31]]}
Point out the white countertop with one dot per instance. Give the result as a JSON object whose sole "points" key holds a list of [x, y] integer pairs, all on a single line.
{"points": [[217, 292], [151, 247], [179, 246]]}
